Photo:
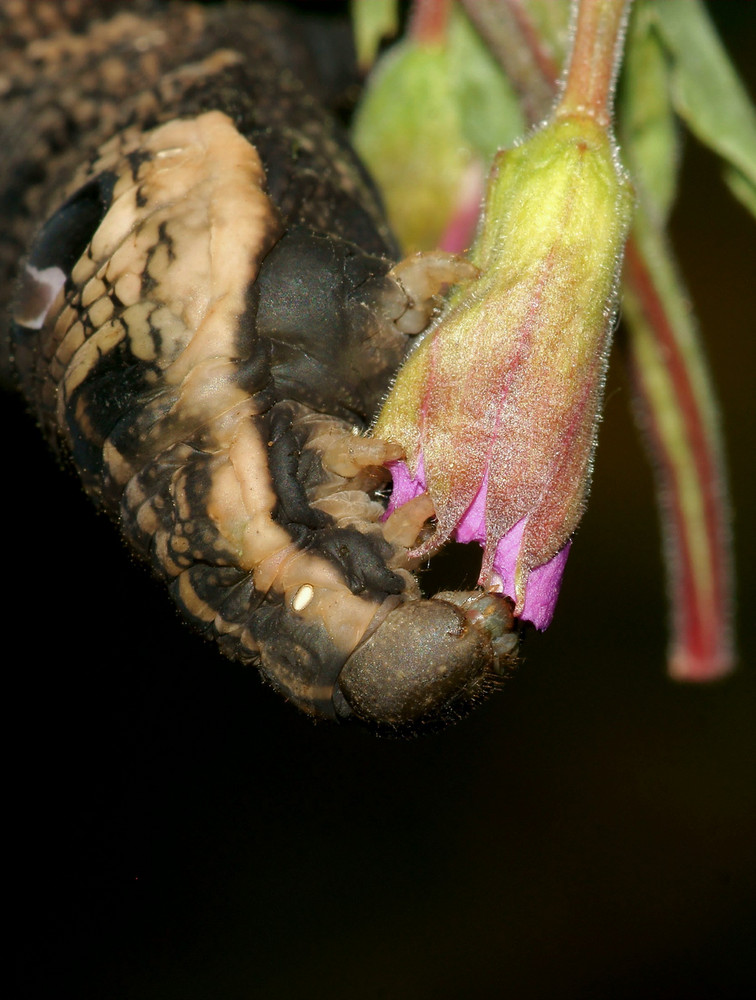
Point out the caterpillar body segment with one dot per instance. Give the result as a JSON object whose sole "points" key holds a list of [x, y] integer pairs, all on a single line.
{"points": [[206, 322]]}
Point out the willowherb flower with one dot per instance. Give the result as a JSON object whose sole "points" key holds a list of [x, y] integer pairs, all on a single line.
{"points": [[497, 408]]}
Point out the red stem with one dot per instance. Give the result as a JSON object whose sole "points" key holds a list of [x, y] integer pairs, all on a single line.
{"points": [[595, 58], [702, 642], [429, 21], [541, 57]]}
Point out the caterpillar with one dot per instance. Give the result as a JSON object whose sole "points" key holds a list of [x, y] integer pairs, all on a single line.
{"points": [[207, 311]]}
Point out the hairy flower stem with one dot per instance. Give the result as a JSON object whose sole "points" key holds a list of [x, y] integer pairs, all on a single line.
{"points": [[429, 21], [595, 59]]}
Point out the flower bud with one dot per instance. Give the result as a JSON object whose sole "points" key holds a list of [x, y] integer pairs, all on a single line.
{"points": [[497, 408], [434, 112]]}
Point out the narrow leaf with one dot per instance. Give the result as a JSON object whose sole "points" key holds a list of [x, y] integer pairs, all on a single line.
{"points": [[707, 92], [647, 124]]}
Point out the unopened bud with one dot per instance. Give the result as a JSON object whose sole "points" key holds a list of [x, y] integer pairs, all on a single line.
{"points": [[497, 408]]}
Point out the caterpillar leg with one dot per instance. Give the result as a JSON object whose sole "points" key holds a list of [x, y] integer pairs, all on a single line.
{"points": [[422, 276]]}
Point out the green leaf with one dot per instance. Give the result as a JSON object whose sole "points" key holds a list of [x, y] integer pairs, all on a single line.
{"points": [[742, 188], [707, 92], [647, 124]]}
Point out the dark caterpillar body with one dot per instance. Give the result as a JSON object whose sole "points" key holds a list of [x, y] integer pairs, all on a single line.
{"points": [[206, 323]]}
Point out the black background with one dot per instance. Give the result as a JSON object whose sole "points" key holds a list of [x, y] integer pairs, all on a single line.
{"points": [[178, 832]]}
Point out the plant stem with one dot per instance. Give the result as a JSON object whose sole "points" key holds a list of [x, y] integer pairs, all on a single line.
{"points": [[678, 412], [429, 21], [595, 59], [513, 39]]}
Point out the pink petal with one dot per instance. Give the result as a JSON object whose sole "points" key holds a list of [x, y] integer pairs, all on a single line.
{"points": [[542, 589], [543, 583], [406, 486], [472, 526]]}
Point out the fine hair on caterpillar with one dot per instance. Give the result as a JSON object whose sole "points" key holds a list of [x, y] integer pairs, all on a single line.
{"points": [[207, 315]]}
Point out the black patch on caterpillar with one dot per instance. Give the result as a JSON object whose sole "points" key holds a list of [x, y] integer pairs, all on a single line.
{"points": [[228, 590], [284, 454], [361, 559], [150, 415], [66, 235], [252, 372], [296, 651], [304, 288], [135, 159], [111, 391], [236, 596]]}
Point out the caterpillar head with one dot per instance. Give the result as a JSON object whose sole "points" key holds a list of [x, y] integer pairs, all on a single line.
{"points": [[429, 662]]}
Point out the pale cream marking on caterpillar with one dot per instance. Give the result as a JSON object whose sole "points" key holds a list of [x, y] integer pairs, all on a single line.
{"points": [[209, 179], [267, 550], [302, 597]]}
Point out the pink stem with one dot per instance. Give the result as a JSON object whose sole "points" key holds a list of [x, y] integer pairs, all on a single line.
{"points": [[594, 61], [429, 21], [698, 554]]}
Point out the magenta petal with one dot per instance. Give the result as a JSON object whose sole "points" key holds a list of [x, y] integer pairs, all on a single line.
{"points": [[405, 486], [505, 558], [543, 583], [542, 589], [472, 525]]}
